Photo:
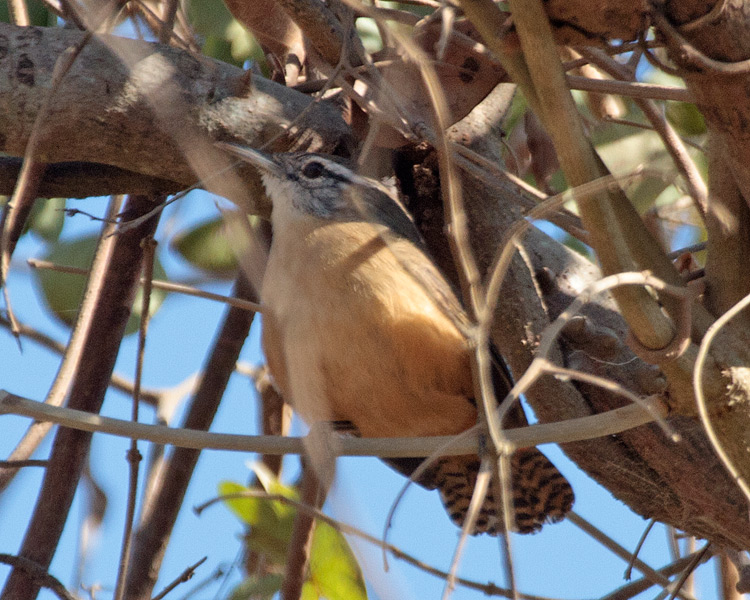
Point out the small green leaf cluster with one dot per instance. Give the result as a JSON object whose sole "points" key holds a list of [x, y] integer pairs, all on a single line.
{"points": [[332, 572]]}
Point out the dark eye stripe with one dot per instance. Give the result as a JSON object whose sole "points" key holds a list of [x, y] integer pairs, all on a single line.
{"points": [[314, 169]]}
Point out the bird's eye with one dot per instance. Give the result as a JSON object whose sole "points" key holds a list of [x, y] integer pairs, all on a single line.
{"points": [[313, 169]]}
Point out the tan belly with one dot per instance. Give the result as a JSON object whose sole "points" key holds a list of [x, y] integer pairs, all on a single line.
{"points": [[378, 353]]}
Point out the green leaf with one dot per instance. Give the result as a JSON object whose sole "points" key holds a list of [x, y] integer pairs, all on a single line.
{"points": [[686, 118], [272, 544], [251, 511], [270, 525], [309, 591], [63, 291], [38, 13], [207, 248], [225, 37], [208, 17], [257, 587], [334, 571], [47, 218], [219, 48], [273, 485]]}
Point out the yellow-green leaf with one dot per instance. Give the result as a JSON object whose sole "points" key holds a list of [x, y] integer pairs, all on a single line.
{"points": [[686, 118], [309, 591], [272, 485], [270, 525], [47, 218], [254, 588], [207, 248], [63, 291], [252, 511], [334, 570]]}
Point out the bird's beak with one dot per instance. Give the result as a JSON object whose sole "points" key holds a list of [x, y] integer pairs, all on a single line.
{"points": [[261, 160]]}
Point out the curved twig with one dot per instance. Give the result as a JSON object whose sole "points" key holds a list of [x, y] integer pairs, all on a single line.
{"points": [[700, 398]]}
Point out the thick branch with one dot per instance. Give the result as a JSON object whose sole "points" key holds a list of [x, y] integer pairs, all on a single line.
{"points": [[84, 180], [682, 484], [115, 294], [146, 107], [165, 500], [710, 44], [586, 23]]}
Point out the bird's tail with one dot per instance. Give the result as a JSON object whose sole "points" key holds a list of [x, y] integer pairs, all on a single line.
{"points": [[539, 492]]}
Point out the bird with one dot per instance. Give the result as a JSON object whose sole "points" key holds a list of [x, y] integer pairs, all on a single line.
{"points": [[360, 327]]}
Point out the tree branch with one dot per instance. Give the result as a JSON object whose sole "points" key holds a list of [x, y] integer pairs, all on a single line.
{"points": [[84, 180], [114, 296], [99, 115], [589, 427], [38, 574], [164, 500]]}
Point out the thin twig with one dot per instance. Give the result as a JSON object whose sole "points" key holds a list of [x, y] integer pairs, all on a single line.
{"points": [[20, 464], [19, 13], [501, 263], [477, 498], [166, 492], [614, 388], [541, 363], [700, 398], [529, 196], [184, 577], [134, 456], [427, 463], [641, 585], [649, 127], [16, 212], [298, 551], [109, 297], [159, 284], [19, 206], [160, 27], [690, 54], [638, 546], [613, 546], [505, 479], [672, 141], [699, 247], [696, 560], [507, 553], [673, 542], [170, 12], [149, 396], [40, 576], [475, 299], [571, 430], [630, 89]]}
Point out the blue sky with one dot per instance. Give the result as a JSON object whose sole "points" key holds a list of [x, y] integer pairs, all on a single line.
{"points": [[561, 561]]}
